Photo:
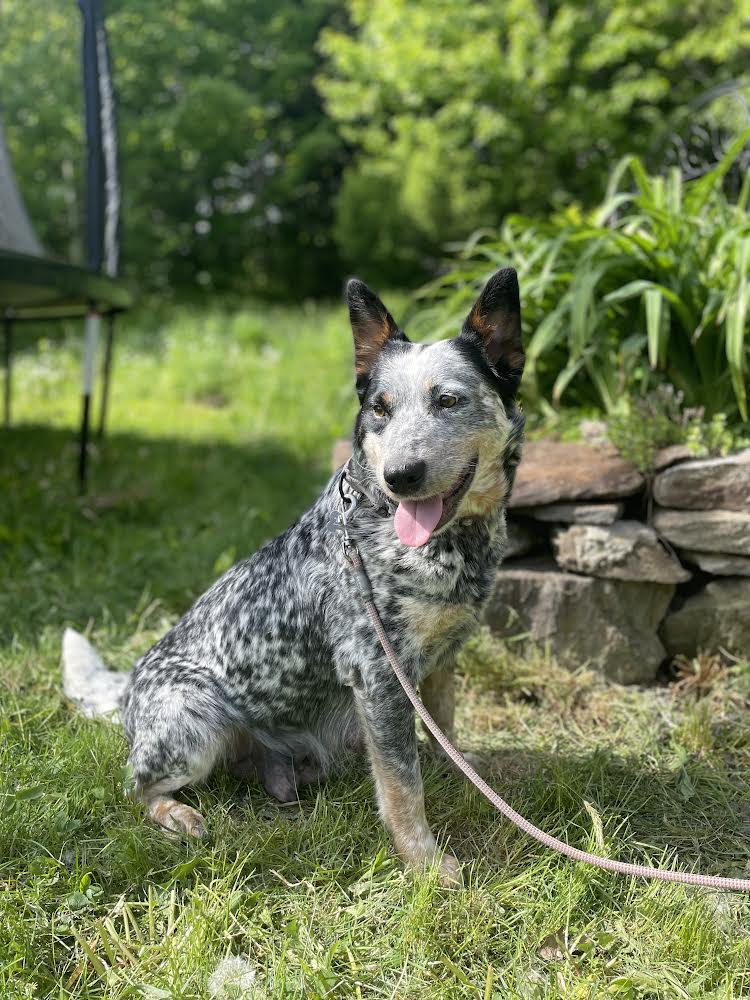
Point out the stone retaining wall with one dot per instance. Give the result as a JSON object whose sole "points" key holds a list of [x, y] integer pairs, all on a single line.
{"points": [[612, 574]]}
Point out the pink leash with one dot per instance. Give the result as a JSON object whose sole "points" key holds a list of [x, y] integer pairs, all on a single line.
{"points": [[623, 868]]}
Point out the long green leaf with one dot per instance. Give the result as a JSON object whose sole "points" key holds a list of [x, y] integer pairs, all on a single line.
{"points": [[643, 181], [607, 209], [674, 192], [634, 288], [629, 291], [736, 322], [565, 377], [653, 301], [581, 309], [546, 335], [701, 190], [618, 172], [743, 201]]}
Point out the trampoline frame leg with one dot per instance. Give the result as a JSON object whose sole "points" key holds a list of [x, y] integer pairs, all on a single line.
{"points": [[7, 362], [106, 373]]}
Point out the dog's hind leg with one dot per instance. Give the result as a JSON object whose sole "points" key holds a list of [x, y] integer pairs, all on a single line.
{"points": [[177, 738], [156, 776]]}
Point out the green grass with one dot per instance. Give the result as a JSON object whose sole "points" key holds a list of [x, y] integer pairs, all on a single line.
{"points": [[221, 427]]}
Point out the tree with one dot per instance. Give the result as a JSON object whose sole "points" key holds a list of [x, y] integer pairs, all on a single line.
{"points": [[461, 113], [229, 165]]}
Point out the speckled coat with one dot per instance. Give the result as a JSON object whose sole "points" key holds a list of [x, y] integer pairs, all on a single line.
{"points": [[276, 669]]}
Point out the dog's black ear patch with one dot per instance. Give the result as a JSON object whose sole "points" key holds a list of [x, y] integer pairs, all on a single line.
{"points": [[372, 325], [494, 324]]}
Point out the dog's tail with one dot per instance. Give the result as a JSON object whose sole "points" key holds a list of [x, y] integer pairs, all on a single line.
{"points": [[86, 680]]}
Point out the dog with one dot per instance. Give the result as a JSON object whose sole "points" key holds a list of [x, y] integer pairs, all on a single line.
{"points": [[276, 669]]}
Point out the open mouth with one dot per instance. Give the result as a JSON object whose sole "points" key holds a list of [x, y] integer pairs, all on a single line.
{"points": [[416, 521]]}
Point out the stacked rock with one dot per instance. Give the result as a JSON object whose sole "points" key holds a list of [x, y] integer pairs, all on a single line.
{"points": [[704, 512], [606, 579], [614, 584]]}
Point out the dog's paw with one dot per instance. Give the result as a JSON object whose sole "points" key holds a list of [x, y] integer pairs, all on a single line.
{"points": [[178, 819], [451, 876]]}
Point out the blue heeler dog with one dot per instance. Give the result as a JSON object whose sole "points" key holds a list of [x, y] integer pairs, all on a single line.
{"points": [[276, 670]]}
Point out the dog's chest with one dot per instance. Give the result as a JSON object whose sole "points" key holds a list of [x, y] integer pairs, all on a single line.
{"points": [[434, 597], [432, 628]]}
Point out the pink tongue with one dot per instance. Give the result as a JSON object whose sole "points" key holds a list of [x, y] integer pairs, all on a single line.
{"points": [[415, 520]]}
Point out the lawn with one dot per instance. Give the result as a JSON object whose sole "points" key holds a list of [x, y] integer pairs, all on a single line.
{"points": [[220, 432]]}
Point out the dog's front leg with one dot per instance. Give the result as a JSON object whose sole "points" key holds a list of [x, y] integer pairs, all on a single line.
{"points": [[439, 697], [388, 723], [438, 692]]}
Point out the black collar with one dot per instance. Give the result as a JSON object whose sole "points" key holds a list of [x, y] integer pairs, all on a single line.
{"points": [[352, 479]]}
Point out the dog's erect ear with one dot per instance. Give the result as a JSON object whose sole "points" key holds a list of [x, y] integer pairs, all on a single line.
{"points": [[372, 326], [495, 324]]}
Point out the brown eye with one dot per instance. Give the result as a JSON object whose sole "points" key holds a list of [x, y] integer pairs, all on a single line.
{"points": [[447, 399], [378, 410]]}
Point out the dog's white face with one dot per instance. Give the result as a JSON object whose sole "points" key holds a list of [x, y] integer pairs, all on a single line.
{"points": [[434, 421]]}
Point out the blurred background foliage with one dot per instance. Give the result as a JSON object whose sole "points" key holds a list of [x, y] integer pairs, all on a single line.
{"points": [[230, 166], [650, 286], [273, 142], [270, 148], [461, 113]]}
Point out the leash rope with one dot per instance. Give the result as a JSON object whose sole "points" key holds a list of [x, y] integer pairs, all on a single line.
{"points": [[351, 553]]}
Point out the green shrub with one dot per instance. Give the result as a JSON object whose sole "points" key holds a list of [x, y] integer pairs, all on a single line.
{"points": [[650, 287], [643, 425], [457, 113]]}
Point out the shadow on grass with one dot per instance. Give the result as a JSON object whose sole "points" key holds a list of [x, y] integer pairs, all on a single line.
{"points": [[337, 827], [161, 520], [696, 815]]}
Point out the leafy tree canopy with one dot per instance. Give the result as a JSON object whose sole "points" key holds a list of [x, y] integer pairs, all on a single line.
{"points": [[276, 144], [230, 167], [462, 112]]}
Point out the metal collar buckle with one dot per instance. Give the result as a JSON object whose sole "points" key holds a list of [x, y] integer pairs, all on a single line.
{"points": [[340, 518]]}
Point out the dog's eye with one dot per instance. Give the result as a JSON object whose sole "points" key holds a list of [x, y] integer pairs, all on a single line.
{"points": [[378, 409], [447, 399]]}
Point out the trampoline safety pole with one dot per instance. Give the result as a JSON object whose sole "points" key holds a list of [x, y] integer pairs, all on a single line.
{"points": [[90, 343]]}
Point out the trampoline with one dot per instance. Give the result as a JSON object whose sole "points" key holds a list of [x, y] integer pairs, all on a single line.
{"points": [[34, 286]]}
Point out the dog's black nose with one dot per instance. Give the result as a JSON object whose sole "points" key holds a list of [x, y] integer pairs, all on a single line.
{"points": [[405, 478]]}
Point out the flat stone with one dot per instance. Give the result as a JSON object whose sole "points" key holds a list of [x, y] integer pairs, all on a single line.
{"points": [[523, 537], [706, 530], [718, 563], [626, 550], [706, 484], [551, 471], [610, 625], [574, 513], [718, 617], [671, 455], [342, 452]]}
